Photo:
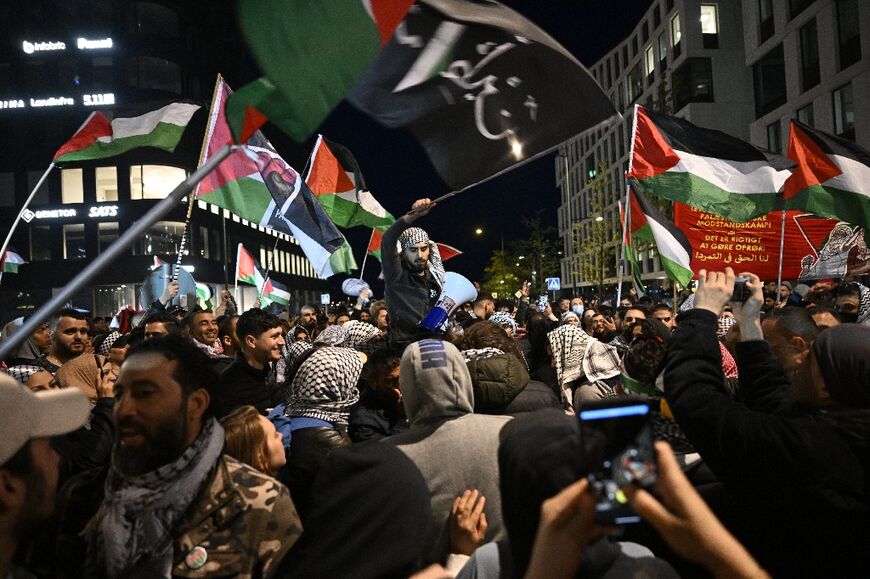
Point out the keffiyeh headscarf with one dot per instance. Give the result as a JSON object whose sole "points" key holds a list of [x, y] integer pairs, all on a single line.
{"points": [[325, 385], [361, 336], [505, 319], [567, 316], [576, 354], [331, 336], [724, 325], [107, 343], [415, 235], [290, 352]]}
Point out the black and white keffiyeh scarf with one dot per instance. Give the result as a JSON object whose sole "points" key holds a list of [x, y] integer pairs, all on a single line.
{"points": [[331, 336], [506, 321], [133, 530], [480, 354], [290, 352], [325, 385], [577, 354], [361, 336], [415, 235]]}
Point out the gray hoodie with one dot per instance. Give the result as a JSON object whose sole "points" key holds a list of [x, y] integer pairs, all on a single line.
{"points": [[453, 448]]}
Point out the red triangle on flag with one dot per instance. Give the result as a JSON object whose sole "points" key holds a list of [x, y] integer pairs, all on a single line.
{"points": [[814, 167], [94, 127], [326, 175], [652, 155], [447, 251], [388, 14]]}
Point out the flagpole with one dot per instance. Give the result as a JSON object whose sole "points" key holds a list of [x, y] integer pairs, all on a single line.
{"points": [[236, 288], [781, 249], [23, 209], [625, 225], [114, 251], [366, 253]]}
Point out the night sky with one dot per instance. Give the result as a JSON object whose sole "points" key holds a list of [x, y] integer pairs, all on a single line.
{"points": [[397, 171]]}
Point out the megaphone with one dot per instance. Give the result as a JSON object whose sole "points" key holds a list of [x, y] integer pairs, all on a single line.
{"points": [[456, 291], [353, 286]]}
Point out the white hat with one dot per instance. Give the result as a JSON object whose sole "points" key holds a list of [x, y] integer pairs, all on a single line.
{"points": [[29, 414]]}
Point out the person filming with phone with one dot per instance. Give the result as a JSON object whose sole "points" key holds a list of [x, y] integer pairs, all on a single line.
{"points": [[791, 452]]}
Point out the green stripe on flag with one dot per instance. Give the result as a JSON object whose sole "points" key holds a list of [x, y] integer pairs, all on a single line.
{"points": [[164, 136], [246, 197], [346, 213], [676, 271], [826, 201], [699, 193]]}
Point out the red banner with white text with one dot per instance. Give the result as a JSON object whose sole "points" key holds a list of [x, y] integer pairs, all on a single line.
{"points": [[814, 248]]}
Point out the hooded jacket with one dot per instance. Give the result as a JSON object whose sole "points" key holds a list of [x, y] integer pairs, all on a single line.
{"points": [[502, 386], [453, 448]]}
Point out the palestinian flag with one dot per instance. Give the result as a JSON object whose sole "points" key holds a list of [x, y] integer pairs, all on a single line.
{"points": [[832, 177], [11, 261], [250, 272], [336, 180], [281, 202], [312, 53], [279, 294], [707, 169], [157, 263], [648, 223], [447, 251], [99, 137], [630, 256]]}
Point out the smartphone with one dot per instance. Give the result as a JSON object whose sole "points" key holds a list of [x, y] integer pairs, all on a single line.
{"points": [[542, 302], [741, 292], [618, 439]]}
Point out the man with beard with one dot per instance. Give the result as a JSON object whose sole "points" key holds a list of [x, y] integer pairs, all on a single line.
{"points": [[175, 505], [69, 339], [413, 274], [308, 320], [245, 379], [28, 464], [203, 328]]}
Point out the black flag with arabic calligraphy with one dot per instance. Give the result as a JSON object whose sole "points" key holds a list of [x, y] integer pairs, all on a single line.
{"points": [[481, 87]]}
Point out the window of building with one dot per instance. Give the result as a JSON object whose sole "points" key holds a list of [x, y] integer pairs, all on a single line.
{"points": [[154, 181], [41, 197], [710, 25], [644, 32], [111, 299], [810, 74], [848, 33], [650, 58], [795, 7], [7, 190], [692, 82], [657, 16], [617, 70], [676, 35], [74, 241], [769, 76], [774, 137], [663, 51], [635, 83], [806, 115], [625, 55], [107, 184], [40, 242], [620, 92], [156, 20], [609, 74], [765, 20], [154, 73], [203, 245], [107, 233], [633, 45], [72, 186], [844, 112], [102, 73], [163, 238]]}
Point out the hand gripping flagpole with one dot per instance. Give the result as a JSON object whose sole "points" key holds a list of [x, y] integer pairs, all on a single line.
{"points": [[114, 251], [23, 209]]}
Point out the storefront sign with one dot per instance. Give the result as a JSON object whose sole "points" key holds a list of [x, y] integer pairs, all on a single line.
{"points": [[85, 44], [94, 212], [31, 47]]}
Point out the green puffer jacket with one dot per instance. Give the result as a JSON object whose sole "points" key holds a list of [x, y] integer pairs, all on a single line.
{"points": [[496, 382]]}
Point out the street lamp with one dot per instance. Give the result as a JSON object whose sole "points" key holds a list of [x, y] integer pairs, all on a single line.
{"points": [[478, 231]]}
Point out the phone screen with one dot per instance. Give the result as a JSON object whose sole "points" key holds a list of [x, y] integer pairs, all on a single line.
{"points": [[542, 302], [624, 454]]}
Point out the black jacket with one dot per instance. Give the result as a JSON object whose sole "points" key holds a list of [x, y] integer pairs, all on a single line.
{"points": [[309, 449], [799, 492], [241, 384], [409, 296]]}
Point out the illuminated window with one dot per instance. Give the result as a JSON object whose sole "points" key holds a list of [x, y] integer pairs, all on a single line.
{"points": [[107, 184], [71, 187], [154, 181], [676, 35], [663, 50], [74, 241], [650, 60], [710, 25], [163, 238]]}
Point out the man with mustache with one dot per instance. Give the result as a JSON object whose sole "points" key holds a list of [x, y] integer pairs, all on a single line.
{"points": [[69, 339], [203, 328], [175, 505], [413, 274]]}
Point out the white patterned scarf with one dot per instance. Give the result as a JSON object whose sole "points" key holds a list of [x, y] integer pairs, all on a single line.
{"points": [[361, 336], [325, 385], [480, 354], [577, 354], [415, 235], [132, 533]]}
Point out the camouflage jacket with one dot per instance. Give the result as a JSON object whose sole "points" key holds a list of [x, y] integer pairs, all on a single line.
{"points": [[242, 526]]}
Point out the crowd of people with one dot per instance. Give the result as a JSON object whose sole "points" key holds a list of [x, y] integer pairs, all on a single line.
{"points": [[222, 443]]}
